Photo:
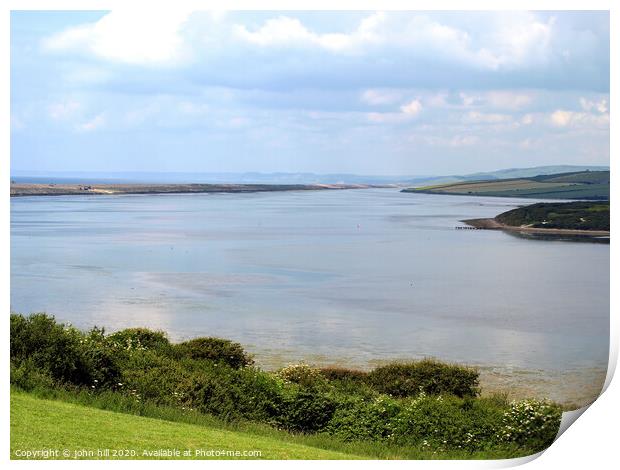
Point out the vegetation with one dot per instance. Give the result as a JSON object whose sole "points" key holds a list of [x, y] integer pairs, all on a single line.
{"points": [[85, 430], [591, 185], [568, 215], [428, 407], [428, 376]]}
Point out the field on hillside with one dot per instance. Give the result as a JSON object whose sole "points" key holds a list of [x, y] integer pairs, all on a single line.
{"points": [[592, 185], [80, 432]]}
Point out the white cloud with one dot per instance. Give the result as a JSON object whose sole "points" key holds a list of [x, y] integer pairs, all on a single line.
{"points": [[412, 108], [95, 123], [287, 31], [527, 119], [513, 41], [501, 99], [407, 111], [386, 117], [464, 140], [379, 97], [508, 99], [469, 100], [63, 110], [589, 105], [476, 117], [133, 37], [563, 118]]}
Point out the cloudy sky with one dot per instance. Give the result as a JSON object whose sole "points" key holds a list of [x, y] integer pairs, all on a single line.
{"points": [[358, 92]]}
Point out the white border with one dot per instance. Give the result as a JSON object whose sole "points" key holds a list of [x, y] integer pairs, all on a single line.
{"points": [[591, 442]]}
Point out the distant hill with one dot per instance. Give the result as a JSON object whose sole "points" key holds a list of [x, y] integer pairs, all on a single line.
{"points": [[84, 177], [533, 171], [591, 185]]}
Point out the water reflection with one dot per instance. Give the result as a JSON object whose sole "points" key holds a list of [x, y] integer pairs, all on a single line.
{"points": [[333, 276]]}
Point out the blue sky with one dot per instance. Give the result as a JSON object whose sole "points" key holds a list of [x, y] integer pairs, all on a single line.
{"points": [[398, 93]]}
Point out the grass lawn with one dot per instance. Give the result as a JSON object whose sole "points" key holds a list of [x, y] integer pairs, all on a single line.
{"points": [[38, 424]]}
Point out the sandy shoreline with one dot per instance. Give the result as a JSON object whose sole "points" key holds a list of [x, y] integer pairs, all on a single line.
{"points": [[493, 224], [40, 189]]}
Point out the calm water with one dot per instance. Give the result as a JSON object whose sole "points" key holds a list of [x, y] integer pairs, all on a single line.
{"points": [[347, 277]]}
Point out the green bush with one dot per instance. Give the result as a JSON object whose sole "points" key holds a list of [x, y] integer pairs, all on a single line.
{"points": [[428, 376], [306, 409], [233, 393], [102, 359], [131, 339], [341, 373], [148, 376], [27, 376], [440, 423], [302, 374], [51, 346], [215, 349], [206, 386], [531, 424], [424, 404], [360, 419]]}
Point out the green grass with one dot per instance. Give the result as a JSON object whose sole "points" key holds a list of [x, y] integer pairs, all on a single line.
{"points": [[577, 185], [47, 424], [61, 419]]}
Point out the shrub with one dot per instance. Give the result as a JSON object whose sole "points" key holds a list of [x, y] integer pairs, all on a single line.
{"points": [[341, 373], [206, 386], [233, 393], [360, 419], [531, 423], [215, 349], [428, 376], [101, 358], [131, 339], [306, 409], [50, 346], [302, 374], [441, 423], [27, 376], [150, 376]]}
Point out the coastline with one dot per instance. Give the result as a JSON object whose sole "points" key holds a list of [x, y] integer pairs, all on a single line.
{"points": [[493, 224], [40, 189], [573, 387]]}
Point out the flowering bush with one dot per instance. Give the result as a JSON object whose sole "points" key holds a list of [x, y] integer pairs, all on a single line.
{"points": [[302, 374], [360, 419], [531, 423], [441, 423], [140, 339]]}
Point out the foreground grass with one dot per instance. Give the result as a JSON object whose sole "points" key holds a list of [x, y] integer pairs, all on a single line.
{"points": [[44, 424], [60, 419]]}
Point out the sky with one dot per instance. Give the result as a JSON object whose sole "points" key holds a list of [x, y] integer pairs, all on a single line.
{"points": [[375, 93]]}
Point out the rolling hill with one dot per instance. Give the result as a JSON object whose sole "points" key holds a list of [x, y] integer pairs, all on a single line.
{"points": [[591, 185]]}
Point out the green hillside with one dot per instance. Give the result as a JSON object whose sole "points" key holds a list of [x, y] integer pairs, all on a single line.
{"points": [[48, 424], [591, 185], [565, 215]]}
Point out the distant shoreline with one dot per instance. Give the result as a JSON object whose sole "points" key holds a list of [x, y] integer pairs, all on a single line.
{"points": [[493, 224], [41, 189]]}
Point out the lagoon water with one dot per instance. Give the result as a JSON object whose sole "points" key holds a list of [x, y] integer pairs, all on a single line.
{"points": [[346, 277]]}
